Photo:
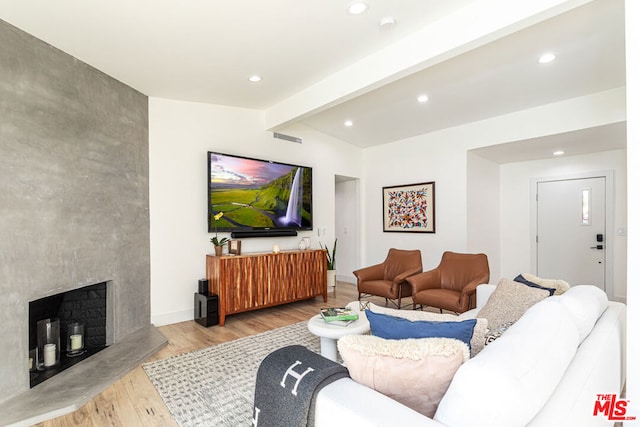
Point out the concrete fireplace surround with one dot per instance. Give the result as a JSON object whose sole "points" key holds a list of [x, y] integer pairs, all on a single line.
{"points": [[74, 203]]}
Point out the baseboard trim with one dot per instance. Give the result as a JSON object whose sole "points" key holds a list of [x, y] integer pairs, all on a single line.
{"points": [[348, 279], [170, 318]]}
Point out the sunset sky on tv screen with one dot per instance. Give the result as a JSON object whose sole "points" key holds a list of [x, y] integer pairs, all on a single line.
{"points": [[236, 171]]}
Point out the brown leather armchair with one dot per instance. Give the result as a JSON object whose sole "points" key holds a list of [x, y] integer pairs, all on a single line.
{"points": [[452, 285], [388, 279]]}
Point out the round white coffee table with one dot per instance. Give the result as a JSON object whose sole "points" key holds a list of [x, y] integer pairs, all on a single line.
{"points": [[329, 334]]}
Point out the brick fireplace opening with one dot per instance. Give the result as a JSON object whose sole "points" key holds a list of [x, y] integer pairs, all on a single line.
{"points": [[86, 306]]}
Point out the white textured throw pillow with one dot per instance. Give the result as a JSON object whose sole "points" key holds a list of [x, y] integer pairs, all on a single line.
{"points": [[479, 331], [509, 302], [415, 372]]}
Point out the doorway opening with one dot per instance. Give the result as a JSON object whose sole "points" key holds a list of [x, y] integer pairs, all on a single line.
{"points": [[347, 226]]}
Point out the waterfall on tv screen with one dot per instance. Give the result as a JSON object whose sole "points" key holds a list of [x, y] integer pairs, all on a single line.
{"points": [[294, 208]]}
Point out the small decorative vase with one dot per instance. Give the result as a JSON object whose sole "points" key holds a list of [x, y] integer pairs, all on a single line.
{"points": [[305, 243], [331, 280], [218, 250]]}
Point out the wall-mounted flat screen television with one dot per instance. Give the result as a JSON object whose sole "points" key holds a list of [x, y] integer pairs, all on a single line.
{"points": [[255, 195]]}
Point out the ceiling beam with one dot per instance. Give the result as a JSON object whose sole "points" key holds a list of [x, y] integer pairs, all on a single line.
{"points": [[468, 28]]}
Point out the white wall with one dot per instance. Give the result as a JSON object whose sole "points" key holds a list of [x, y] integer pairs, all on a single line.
{"points": [[180, 134], [410, 162], [483, 211], [442, 157], [515, 202]]}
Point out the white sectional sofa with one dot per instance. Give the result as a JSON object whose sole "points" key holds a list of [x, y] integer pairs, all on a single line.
{"points": [[545, 370]]}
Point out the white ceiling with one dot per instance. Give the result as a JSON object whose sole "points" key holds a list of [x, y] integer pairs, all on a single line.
{"points": [[584, 141], [321, 65]]}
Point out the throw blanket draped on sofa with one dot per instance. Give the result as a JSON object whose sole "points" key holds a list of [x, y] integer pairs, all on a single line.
{"points": [[287, 382]]}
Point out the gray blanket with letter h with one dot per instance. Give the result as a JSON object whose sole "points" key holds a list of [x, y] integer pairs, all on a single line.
{"points": [[287, 382]]}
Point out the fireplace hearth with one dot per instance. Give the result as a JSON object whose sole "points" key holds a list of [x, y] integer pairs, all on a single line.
{"points": [[86, 306]]}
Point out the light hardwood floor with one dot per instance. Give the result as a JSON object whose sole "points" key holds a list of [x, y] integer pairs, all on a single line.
{"points": [[133, 401]]}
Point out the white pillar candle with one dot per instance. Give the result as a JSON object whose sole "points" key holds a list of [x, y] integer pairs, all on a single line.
{"points": [[30, 363], [49, 355], [76, 342], [276, 249]]}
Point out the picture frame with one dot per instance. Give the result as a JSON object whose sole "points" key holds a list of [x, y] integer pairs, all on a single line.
{"points": [[409, 208], [234, 247]]}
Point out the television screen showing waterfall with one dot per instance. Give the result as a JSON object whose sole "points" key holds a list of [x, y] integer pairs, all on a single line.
{"points": [[254, 194]]}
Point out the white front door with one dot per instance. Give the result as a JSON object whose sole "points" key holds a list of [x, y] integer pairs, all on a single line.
{"points": [[571, 224]]}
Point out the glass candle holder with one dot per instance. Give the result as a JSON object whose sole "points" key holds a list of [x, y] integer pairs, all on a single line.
{"points": [[75, 338], [48, 354], [33, 359]]}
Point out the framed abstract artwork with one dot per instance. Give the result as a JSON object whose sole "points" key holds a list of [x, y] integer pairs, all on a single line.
{"points": [[409, 208]]}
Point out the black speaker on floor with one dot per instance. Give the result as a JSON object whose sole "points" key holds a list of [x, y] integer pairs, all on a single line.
{"points": [[203, 286], [205, 309]]}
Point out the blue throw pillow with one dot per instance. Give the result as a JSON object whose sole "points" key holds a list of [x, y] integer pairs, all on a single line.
{"points": [[521, 279], [397, 328]]}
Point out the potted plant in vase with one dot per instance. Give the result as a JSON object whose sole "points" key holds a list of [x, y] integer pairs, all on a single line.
{"points": [[218, 244], [331, 265]]}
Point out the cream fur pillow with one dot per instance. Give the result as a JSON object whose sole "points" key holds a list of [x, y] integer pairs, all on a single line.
{"points": [[479, 331], [559, 285], [414, 372]]}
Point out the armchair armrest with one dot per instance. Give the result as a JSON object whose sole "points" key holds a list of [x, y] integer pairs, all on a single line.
{"points": [[370, 273], [470, 287], [405, 274], [427, 280]]}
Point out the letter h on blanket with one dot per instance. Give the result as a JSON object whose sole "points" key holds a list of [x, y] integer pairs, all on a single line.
{"points": [[275, 402], [296, 375]]}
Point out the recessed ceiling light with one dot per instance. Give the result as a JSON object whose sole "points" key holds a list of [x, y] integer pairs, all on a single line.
{"points": [[387, 22], [358, 7], [546, 58], [255, 78], [558, 153], [423, 98], [348, 123]]}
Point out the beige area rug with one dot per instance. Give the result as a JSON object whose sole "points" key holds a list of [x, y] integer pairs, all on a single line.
{"points": [[215, 386]]}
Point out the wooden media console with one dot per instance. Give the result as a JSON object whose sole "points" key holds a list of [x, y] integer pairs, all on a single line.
{"points": [[256, 280]]}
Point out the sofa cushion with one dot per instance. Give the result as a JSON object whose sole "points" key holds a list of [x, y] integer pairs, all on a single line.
{"points": [[479, 331], [415, 372], [586, 304], [512, 378], [397, 328], [559, 285], [509, 301]]}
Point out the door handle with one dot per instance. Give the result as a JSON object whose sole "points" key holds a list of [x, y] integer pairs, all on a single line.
{"points": [[598, 247]]}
